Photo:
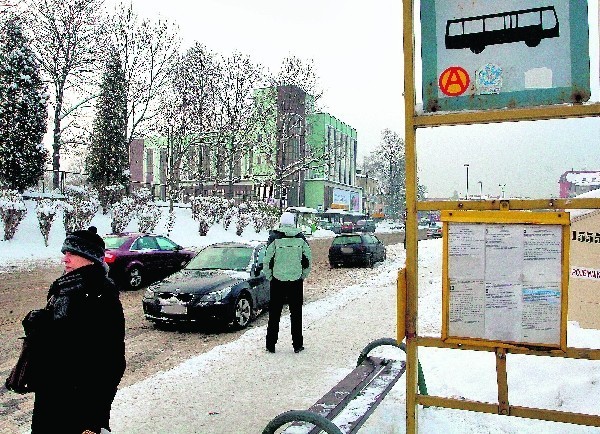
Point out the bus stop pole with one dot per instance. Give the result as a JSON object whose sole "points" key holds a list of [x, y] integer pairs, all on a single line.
{"points": [[410, 229]]}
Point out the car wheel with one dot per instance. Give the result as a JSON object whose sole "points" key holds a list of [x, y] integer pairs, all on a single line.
{"points": [[134, 278], [243, 312]]}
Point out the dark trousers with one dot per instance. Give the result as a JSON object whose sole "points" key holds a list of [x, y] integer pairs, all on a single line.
{"points": [[291, 293]]}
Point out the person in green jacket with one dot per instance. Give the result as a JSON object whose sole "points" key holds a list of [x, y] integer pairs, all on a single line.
{"points": [[287, 263]]}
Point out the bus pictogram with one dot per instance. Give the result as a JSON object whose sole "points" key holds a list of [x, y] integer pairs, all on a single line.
{"points": [[527, 25]]}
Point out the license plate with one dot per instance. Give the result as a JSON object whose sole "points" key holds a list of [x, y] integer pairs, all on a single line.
{"points": [[174, 309], [347, 249]]}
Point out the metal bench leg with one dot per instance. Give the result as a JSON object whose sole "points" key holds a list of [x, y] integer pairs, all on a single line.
{"points": [[391, 341], [301, 415]]}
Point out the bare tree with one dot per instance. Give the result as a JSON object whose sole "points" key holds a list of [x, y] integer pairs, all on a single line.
{"points": [[286, 106], [65, 39], [235, 118], [301, 73], [9, 6], [187, 117], [388, 163], [148, 51]]}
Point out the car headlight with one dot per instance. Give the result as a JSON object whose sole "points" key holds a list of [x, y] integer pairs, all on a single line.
{"points": [[216, 296], [149, 293]]}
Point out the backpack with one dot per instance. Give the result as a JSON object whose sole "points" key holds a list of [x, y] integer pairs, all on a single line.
{"points": [[288, 258]]}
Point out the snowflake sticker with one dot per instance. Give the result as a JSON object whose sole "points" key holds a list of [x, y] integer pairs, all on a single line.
{"points": [[488, 80]]}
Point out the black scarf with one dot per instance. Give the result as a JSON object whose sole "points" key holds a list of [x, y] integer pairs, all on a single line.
{"points": [[90, 281]]}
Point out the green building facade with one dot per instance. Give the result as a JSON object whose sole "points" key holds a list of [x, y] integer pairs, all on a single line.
{"points": [[331, 183], [298, 158]]}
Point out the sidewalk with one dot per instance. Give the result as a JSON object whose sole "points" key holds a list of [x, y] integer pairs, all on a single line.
{"points": [[239, 387]]}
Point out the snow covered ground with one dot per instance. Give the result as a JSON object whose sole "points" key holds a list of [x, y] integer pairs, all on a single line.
{"points": [[239, 387]]}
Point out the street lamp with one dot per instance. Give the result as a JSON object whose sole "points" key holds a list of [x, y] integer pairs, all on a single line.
{"points": [[467, 195]]}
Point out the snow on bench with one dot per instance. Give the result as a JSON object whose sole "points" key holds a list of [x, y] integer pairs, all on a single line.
{"points": [[348, 404]]}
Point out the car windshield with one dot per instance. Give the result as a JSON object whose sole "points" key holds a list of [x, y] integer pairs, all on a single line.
{"points": [[221, 258], [353, 239], [114, 242]]}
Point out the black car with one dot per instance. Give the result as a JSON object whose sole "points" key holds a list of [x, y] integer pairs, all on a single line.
{"points": [[224, 282], [356, 249], [365, 226], [136, 259]]}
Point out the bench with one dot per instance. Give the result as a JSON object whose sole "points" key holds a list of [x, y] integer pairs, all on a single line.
{"points": [[347, 406]]}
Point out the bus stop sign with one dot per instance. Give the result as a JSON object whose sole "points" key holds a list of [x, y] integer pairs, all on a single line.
{"points": [[485, 54]]}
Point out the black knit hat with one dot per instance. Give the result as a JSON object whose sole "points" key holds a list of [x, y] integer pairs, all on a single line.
{"points": [[85, 243]]}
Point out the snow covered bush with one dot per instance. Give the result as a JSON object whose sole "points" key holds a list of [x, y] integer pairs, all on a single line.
{"points": [[146, 211], [110, 195], [12, 211], [170, 222], [200, 207], [80, 208], [264, 216], [213, 208], [122, 213], [203, 225], [230, 213], [148, 216], [142, 196], [46, 210], [208, 210], [243, 218]]}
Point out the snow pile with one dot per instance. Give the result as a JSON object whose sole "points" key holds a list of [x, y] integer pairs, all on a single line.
{"points": [[28, 246]]}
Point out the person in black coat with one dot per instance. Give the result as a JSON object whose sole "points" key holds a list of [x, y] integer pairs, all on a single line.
{"points": [[80, 346]]}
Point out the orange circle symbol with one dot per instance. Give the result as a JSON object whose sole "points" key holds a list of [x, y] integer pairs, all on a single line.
{"points": [[454, 81]]}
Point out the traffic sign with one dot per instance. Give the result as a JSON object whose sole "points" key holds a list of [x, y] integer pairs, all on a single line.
{"points": [[483, 54]]}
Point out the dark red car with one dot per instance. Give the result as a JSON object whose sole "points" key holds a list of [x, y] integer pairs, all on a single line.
{"points": [[136, 259], [347, 227]]}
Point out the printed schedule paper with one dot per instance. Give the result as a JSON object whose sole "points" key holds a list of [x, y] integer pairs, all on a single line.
{"points": [[505, 282]]}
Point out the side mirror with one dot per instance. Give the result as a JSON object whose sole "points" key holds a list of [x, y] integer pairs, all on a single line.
{"points": [[258, 268]]}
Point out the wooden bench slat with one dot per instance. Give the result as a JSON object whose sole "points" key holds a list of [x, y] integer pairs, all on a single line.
{"points": [[367, 384], [356, 413]]}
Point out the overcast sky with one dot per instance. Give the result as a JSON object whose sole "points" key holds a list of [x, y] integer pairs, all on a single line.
{"points": [[357, 50]]}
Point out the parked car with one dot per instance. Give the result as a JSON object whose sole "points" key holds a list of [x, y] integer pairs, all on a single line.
{"points": [[224, 282], [347, 227], [435, 231], [356, 249], [365, 226], [335, 227], [136, 259]]}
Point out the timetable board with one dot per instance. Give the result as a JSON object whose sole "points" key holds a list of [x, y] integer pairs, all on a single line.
{"points": [[505, 277]]}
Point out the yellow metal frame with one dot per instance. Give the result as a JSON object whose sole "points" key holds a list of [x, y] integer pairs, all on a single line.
{"points": [[506, 217], [408, 277]]}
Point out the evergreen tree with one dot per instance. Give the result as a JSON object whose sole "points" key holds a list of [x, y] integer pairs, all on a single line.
{"points": [[23, 110], [108, 157]]}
